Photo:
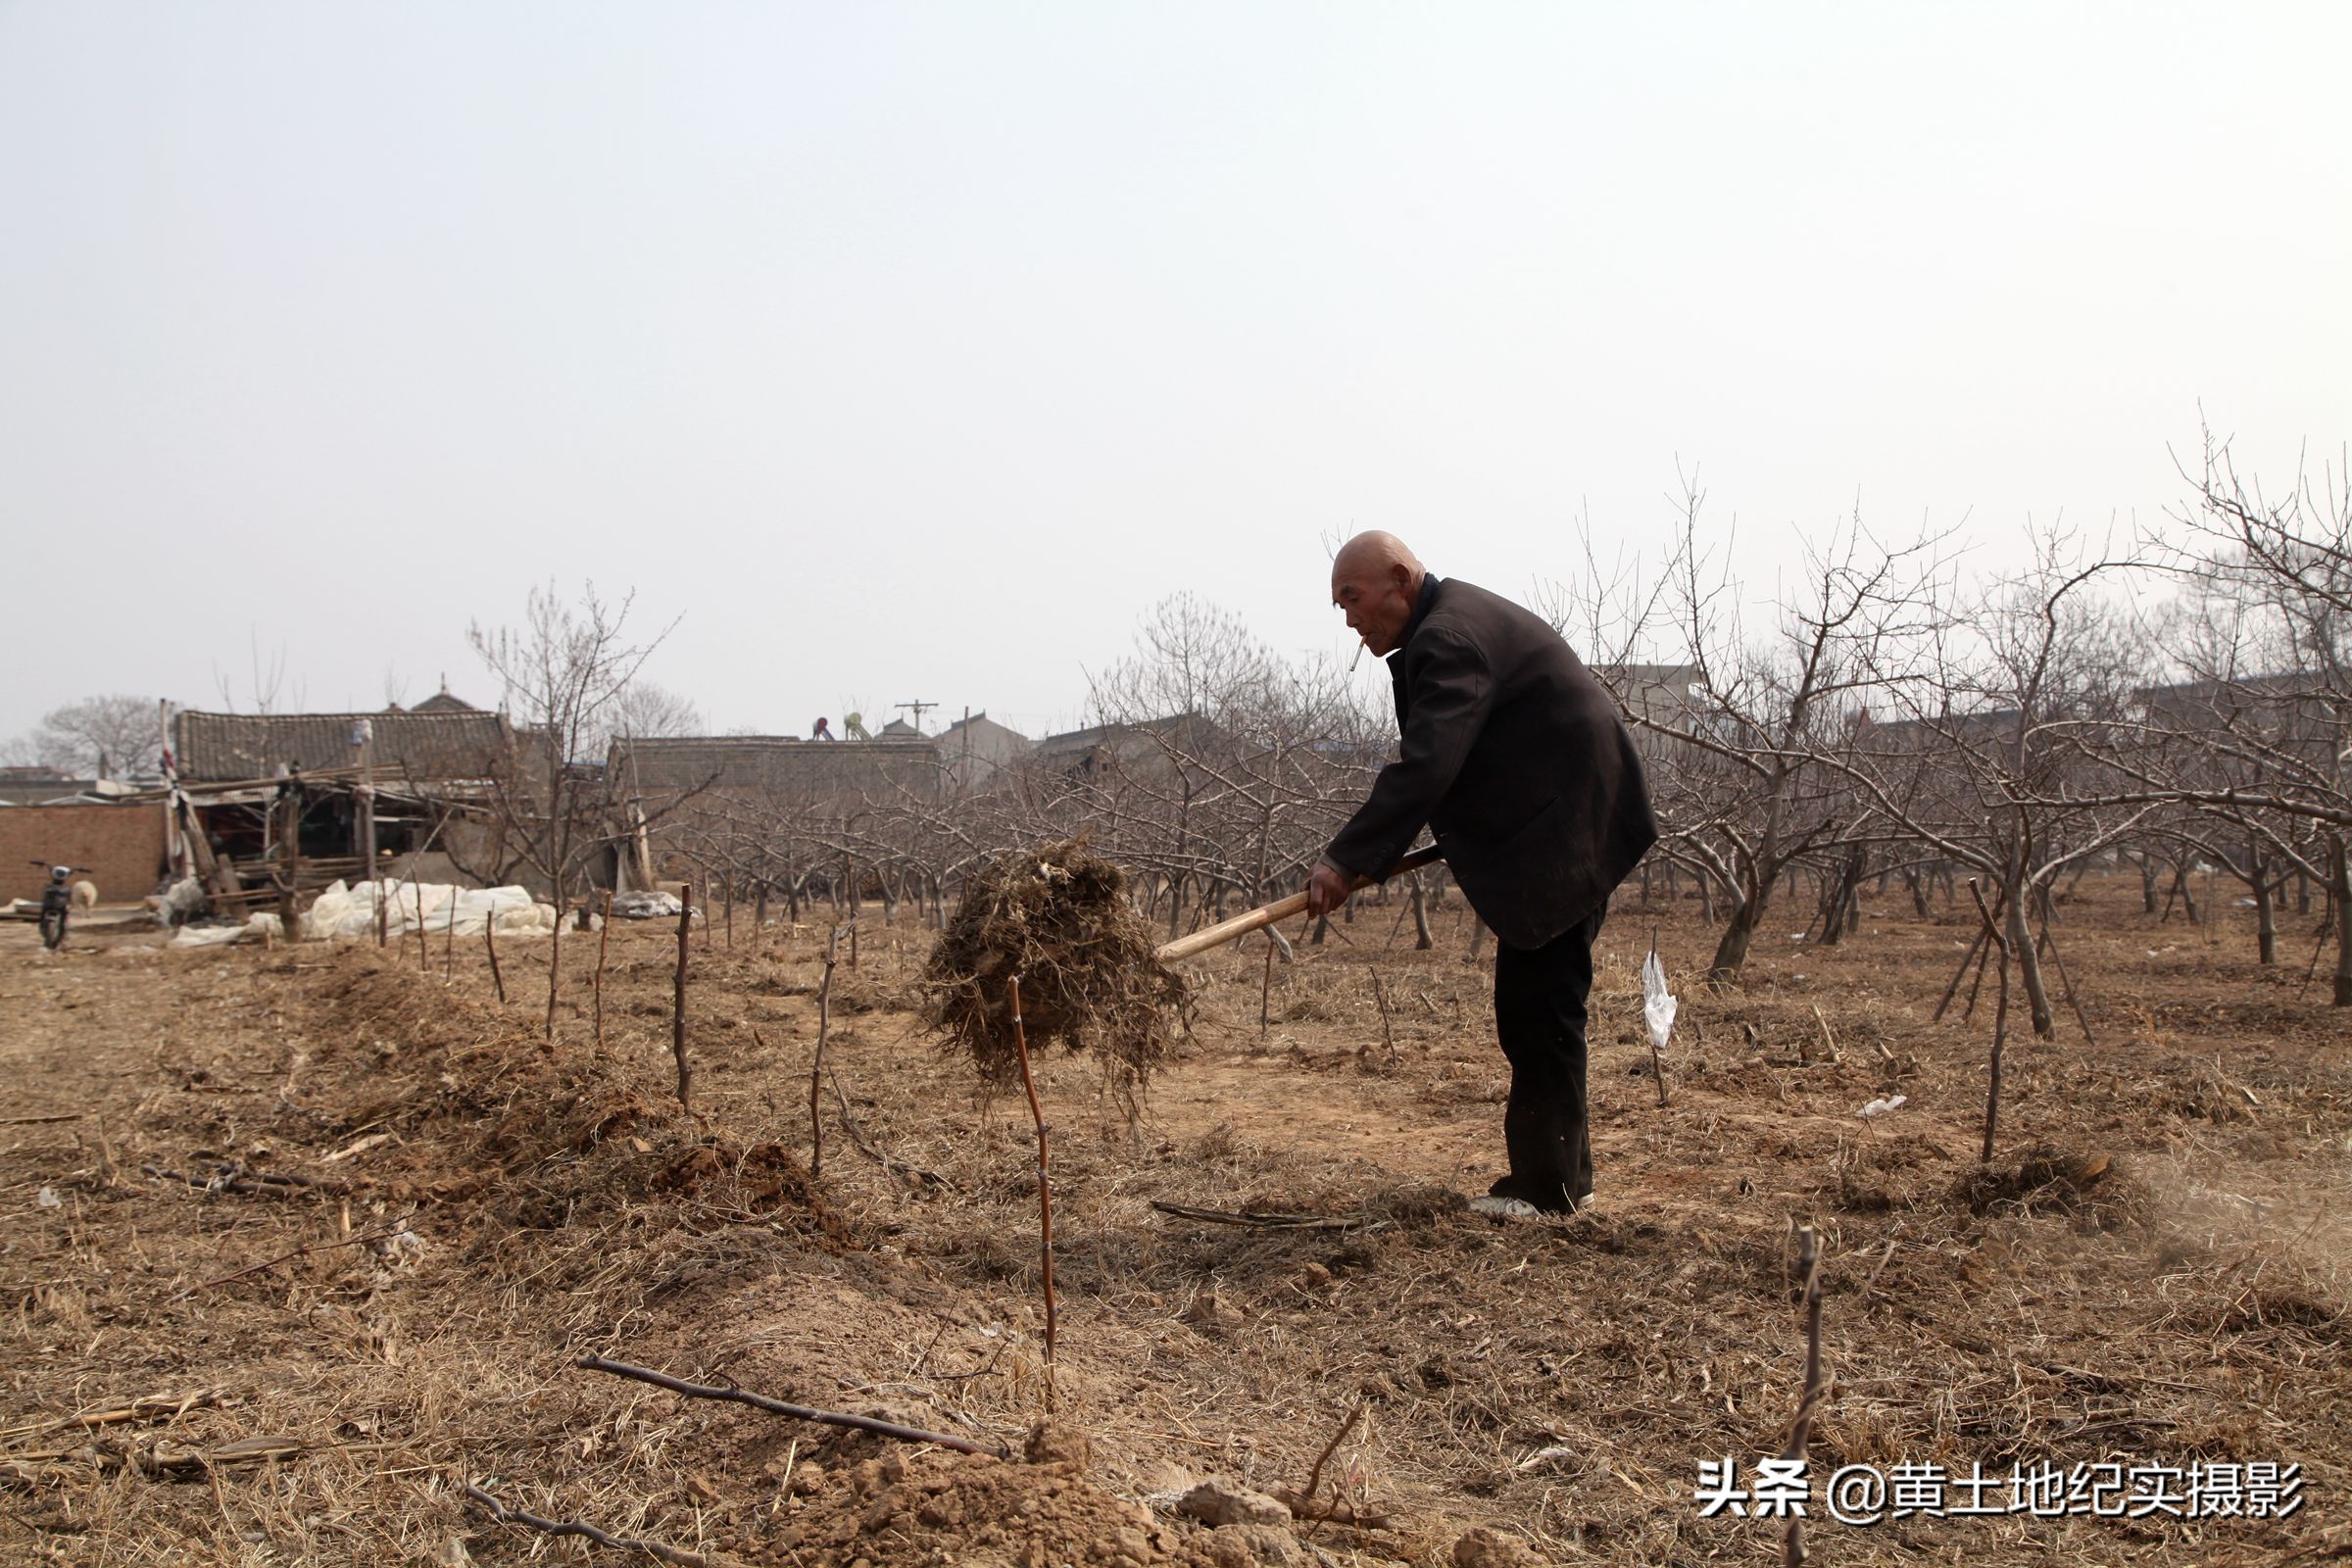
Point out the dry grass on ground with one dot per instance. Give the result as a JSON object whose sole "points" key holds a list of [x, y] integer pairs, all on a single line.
{"points": [[390, 1217]]}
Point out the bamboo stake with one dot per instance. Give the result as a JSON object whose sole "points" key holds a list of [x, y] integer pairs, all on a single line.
{"points": [[1044, 1185], [677, 1001], [655, 1550]]}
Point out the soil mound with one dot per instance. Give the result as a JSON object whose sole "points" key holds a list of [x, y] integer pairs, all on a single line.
{"points": [[1059, 918], [936, 1510], [466, 1104]]}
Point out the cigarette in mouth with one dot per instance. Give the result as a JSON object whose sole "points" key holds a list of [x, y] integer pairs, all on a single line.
{"points": [[1360, 656]]}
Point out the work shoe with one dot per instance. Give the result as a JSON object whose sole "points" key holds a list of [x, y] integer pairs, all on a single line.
{"points": [[1494, 1207]]}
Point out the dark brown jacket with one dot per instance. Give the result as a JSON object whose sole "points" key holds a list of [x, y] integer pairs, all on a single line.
{"points": [[1517, 760]]}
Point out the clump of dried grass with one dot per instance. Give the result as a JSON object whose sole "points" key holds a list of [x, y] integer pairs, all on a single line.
{"points": [[2091, 1187], [1058, 917]]}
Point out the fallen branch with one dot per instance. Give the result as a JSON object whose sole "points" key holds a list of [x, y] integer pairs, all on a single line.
{"points": [[858, 1136], [146, 1408], [34, 1121], [1271, 1222], [797, 1412], [505, 1515], [307, 1248], [237, 1179]]}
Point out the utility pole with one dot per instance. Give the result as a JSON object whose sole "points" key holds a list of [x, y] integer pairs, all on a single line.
{"points": [[918, 710]]}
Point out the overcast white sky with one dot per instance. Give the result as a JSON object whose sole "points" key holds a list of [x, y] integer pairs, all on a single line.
{"points": [[912, 351]]}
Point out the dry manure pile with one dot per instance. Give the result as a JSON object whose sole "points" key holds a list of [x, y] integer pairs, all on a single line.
{"points": [[1059, 919]]}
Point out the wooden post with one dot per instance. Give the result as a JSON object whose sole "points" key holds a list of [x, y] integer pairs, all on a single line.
{"points": [[425, 940], [677, 1006], [603, 940], [449, 946], [289, 851]]}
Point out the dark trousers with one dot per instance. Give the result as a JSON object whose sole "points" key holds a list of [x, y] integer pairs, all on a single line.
{"points": [[1539, 1018]]}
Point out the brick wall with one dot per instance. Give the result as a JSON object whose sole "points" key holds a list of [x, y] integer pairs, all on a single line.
{"points": [[121, 845]]}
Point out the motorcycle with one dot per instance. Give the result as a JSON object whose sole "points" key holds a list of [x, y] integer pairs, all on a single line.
{"points": [[57, 901]]}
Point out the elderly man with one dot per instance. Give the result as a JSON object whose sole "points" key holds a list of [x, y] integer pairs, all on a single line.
{"points": [[1518, 762]]}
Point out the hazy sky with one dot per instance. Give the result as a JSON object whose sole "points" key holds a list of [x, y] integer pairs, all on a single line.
{"points": [[912, 351]]}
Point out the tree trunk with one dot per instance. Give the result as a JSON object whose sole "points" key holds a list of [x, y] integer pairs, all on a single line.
{"points": [[1841, 909], [2266, 912], [2029, 967], [2340, 872], [1731, 951], [2147, 885], [1422, 940]]}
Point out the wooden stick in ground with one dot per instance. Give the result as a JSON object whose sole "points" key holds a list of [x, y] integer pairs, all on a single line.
{"points": [[1314, 1476], [797, 1412], [1044, 1185], [1800, 1431], [603, 940], [2000, 1019], [2067, 980], [586, 1531], [449, 943], [425, 938], [490, 946], [678, 995], [1953, 989], [816, 1064]]}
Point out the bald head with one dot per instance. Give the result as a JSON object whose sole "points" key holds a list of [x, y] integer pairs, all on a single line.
{"points": [[1375, 580]]}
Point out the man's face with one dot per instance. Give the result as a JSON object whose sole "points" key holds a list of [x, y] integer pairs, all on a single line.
{"points": [[1377, 601]]}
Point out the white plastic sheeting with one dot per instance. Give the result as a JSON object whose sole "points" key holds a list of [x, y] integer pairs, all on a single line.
{"points": [[262, 927], [344, 914]]}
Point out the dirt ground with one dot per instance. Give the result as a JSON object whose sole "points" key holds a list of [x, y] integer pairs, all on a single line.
{"points": [[296, 1244]]}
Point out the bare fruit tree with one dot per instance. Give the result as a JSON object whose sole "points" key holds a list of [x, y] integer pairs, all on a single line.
{"points": [[564, 672], [99, 737]]}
